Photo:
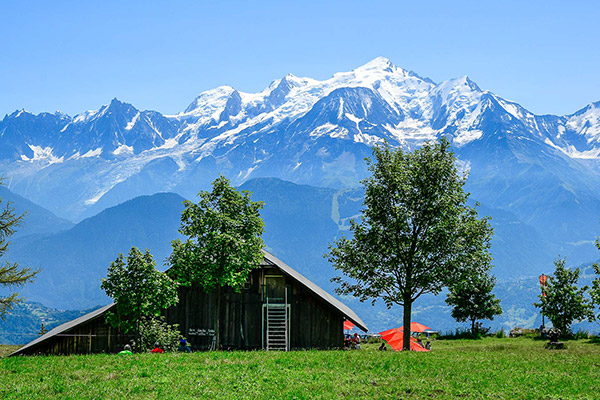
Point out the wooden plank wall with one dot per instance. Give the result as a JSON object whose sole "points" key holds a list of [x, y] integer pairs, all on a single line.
{"points": [[314, 323], [94, 336]]}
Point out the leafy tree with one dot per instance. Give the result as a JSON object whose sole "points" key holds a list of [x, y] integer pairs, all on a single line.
{"points": [[564, 302], [595, 289], [139, 290], [416, 234], [11, 274], [223, 242], [472, 299]]}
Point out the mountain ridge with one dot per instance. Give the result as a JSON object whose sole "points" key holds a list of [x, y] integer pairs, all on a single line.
{"points": [[544, 169]]}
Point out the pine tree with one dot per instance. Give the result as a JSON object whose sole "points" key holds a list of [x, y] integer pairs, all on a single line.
{"points": [[11, 274]]}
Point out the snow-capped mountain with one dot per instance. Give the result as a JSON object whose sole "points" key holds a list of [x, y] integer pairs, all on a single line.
{"points": [[542, 168]]}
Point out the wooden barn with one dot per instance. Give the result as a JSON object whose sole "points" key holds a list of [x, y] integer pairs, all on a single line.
{"points": [[277, 309]]}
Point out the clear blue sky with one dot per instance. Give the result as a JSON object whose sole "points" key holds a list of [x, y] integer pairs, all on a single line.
{"points": [[77, 55]]}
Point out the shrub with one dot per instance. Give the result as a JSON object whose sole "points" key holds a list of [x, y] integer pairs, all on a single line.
{"points": [[500, 334], [155, 330], [581, 335], [460, 333]]}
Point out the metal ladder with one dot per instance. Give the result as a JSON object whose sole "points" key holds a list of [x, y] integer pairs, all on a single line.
{"points": [[277, 325]]}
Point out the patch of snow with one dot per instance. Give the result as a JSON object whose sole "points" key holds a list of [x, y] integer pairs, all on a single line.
{"points": [[369, 140], [123, 149], [93, 153], [169, 143], [572, 152], [132, 123], [42, 154], [467, 136]]}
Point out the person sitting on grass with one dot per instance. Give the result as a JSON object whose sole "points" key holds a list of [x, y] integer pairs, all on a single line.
{"points": [[157, 348], [183, 347], [126, 351], [356, 341], [382, 347]]}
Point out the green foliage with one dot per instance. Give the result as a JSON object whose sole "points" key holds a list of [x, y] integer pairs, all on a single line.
{"points": [[416, 234], [500, 334], [454, 369], [580, 335], [595, 289], [154, 330], [224, 241], [139, 290], [11, 274], [461, 333], [564, 301], [472, 299]]}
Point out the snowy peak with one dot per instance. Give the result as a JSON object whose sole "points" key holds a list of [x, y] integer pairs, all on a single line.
{"points": [[209, 104], [378, 64]]}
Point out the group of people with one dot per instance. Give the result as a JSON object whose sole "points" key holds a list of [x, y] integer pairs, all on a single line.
{"points": [[183, 347], [352, 342]]}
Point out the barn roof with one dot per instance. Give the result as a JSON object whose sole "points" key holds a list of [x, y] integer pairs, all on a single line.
{"points": [[269, 260], [61, 329], [344, 309]]}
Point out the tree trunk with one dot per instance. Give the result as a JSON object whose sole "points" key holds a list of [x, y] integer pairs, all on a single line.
{"points": [[473, 327], [407, 312], [218, 320]]}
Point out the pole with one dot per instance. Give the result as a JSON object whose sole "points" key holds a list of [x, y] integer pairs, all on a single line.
{"points": [[543, 282]]}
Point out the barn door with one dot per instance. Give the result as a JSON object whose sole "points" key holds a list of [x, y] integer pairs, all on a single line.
{"points": [[275, 285]]}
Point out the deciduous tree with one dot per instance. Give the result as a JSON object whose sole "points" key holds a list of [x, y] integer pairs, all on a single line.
{"points": [[595, 289], [139, 290], [564, 302], [223, 242], [416, 232], [472, 299]]}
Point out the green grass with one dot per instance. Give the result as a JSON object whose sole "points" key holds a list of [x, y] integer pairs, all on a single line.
{"points": [[488, 368]]}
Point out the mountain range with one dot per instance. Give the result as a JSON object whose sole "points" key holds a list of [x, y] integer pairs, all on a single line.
{"points": [[537, 176], [300, 222]]}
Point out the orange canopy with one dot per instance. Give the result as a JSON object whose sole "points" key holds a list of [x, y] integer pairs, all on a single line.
{"points": [[416, 327], [396, 340], [385, 335], [348, 325]]}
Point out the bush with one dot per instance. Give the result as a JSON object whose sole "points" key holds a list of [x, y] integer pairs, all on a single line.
{"points": [[500, 334], [581, 335], [460, 333], [155, 330]]}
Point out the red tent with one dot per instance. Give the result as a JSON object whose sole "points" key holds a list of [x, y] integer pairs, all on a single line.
{"points": [[416, 327], [348, 325], [385, 335], [396, 340]]}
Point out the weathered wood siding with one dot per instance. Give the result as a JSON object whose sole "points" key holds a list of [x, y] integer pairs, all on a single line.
{"points": [[314, 323], [94, 336]]}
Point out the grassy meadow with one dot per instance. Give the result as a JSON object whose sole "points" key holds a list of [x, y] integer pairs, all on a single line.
{"points": [[490, 368]]}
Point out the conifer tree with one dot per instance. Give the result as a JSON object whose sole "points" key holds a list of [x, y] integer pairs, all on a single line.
{"points": [[11, 274]]}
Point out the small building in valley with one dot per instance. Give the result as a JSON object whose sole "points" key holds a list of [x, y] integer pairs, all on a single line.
{"points": [[277, 309]]}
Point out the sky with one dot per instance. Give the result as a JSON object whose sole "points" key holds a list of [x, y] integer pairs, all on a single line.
{"points": [[75, 56]]}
